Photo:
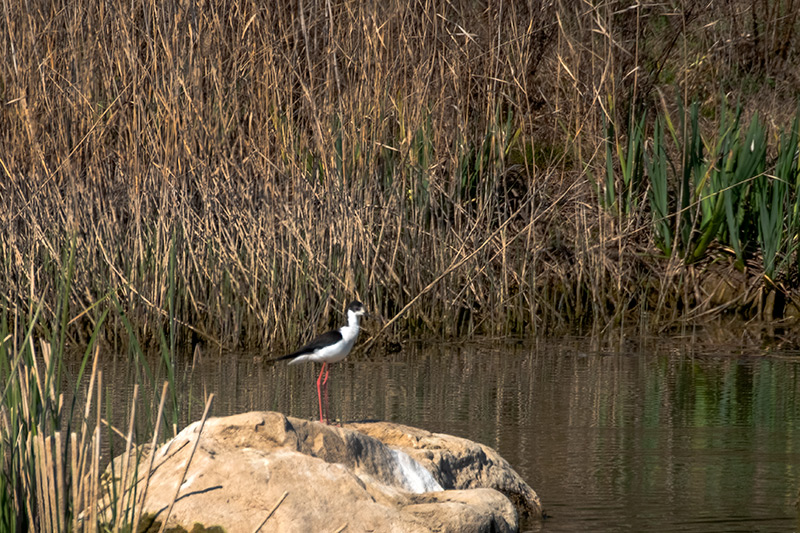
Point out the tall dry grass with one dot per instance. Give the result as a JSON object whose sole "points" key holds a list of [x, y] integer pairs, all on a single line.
{"points": [[53, 415], [226, 171]]}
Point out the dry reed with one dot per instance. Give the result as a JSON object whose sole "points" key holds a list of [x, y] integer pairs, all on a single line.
{"points": [[222, 172], [50, 483]]}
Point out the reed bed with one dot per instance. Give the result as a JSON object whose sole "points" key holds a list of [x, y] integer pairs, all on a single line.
{"points": [[231, 174], [57, 422], [57, 473]]}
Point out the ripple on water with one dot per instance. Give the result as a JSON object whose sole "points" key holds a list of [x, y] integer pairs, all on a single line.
{"points": [[637, 441]]}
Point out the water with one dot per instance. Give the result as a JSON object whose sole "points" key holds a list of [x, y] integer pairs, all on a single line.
{"points": [[648, 440]]}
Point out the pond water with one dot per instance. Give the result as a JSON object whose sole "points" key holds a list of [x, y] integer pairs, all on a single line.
{"points": [[661, 437]]}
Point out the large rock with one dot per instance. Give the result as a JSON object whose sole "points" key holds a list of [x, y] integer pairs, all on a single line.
{"points": [[332, 478]]}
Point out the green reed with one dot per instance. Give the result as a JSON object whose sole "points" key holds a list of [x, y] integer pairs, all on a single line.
{"points": [[33, 417], [659, 193], [775, 195], [51, 420], [622, 190], [719, 189]]}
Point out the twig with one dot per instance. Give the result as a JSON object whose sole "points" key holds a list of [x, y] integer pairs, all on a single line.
{"points": [[188, 462], [156, 431], [126, 459], [274, 508]]}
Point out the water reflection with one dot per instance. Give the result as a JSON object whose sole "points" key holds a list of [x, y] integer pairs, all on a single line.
{"points": [[631, 441]]}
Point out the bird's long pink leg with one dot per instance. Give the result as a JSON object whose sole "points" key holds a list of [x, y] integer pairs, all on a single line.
{"points": [[327, 404], [319, 395]]}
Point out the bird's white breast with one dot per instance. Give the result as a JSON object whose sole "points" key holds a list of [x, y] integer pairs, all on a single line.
{"points": [[336, 352]]}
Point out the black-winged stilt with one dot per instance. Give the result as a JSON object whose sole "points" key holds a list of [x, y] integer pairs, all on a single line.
{"points": [[330, 347]]}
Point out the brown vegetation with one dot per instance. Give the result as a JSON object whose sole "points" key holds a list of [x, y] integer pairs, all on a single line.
{"points": [[233, 169]]}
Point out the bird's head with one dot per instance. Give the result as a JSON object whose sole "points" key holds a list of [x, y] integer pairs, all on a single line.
{"points": [[356, 308]]}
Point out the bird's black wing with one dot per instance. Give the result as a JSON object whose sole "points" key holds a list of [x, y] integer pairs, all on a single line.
{"points": [[326, 339]]}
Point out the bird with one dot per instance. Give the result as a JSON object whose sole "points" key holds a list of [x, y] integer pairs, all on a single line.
{"points": [[330, 347]]}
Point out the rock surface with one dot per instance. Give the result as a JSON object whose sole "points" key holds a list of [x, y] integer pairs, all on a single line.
{"points": [[287, 474], [457, 463]]}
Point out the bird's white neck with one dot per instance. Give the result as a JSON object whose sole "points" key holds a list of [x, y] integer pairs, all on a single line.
{"points": [[353, 320], [352, 327]]}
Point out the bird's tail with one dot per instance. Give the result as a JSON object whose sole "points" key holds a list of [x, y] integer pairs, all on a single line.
{"points": [[295, 357]]}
